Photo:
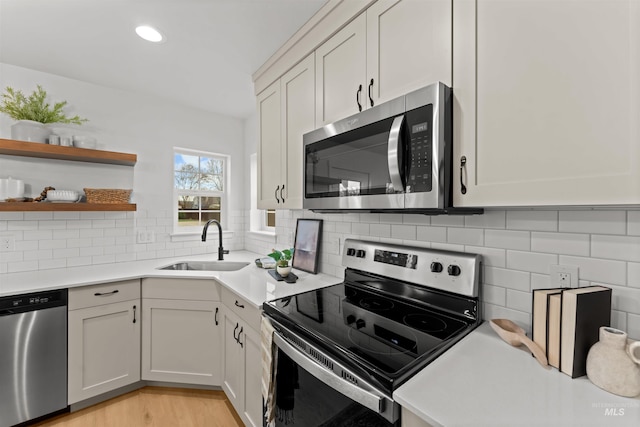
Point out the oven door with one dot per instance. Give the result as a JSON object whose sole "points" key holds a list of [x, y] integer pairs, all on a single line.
{"points": [[321, 392], [357, 163]]}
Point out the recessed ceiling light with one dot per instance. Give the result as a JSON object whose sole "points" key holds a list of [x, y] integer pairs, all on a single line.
{"points": [[149, 33]]}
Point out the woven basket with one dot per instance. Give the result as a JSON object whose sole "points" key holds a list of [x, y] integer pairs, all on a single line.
{"points": [[107, 195]]}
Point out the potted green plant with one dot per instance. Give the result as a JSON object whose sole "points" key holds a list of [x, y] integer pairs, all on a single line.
{"points": [[282, 259], [33, 112]]}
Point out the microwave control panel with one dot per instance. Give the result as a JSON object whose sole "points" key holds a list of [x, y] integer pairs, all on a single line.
{"points": [[420, 156]]}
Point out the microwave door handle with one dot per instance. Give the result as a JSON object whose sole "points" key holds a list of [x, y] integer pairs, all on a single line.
{"points": [[394, 155], [363, 397]]}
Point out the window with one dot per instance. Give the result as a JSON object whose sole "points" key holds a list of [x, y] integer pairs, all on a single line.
{"points": [[260, 220], [200, 189]]}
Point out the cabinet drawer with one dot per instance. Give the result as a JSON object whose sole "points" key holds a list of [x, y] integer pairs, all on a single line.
{"points": [[241, 308], [106, 293], [183, 289]]}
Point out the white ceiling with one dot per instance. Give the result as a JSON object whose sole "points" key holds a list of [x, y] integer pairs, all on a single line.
{"points": [[212, 46]]}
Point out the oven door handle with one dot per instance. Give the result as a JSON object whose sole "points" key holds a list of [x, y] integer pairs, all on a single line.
{"points": [[369, 399], [393, 154]]}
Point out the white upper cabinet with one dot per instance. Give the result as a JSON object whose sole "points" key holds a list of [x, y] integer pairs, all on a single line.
{"points": [[286, 112], [394, 47], [269, 156], [546, 102], [341, 72], [408, 46]]}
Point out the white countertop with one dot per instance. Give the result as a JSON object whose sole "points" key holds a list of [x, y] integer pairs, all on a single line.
{"points": [[483, 381], [251, 283]]}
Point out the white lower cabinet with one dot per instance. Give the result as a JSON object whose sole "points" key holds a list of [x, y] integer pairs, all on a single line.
{"points": [[409, 419], [242, 361], [181, 337], [104, 338]]}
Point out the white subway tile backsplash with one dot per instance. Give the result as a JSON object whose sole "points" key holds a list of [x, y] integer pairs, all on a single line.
{"points": [[52, 244], [431, 234], [465, 236], [633, 223], [11, 216], [37, 216], [594, 222], [490, 256], [519, 300], [79, 224], [92, 215], [533, 262], [616, 247], [405, 232], [22, 225], [65, 234], [380, 230], [17, 267], [633, 326], [66, 253], [507, 239], [416, 219], [447, 247], [52, 225], [38, 255], [391, 219], [619, 320], [360, 229], [343, 227], [540, 281], [560, 243], [494, 295], [104, 259], [518, 280], [79, 261], [448, 220], [494, 311], [37, 235], [47, 264], [66, 215], [91, 232], [633, 274], [532, 220], [625, 299], [490, 219], [598, 270], [26, 245], [368, 217]]}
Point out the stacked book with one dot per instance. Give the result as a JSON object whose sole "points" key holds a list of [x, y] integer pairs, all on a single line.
{"points": [[566, 323]]}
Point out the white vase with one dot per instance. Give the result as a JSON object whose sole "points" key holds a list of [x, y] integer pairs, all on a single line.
{"points": [[613, 363], [31, 131], [283, 271]]}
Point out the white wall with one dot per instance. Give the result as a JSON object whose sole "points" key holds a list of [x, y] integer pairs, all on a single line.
{"points": [[121, 121], [517, 246]]}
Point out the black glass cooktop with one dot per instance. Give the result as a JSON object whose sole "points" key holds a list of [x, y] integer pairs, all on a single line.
{"points": [[387, 333]]}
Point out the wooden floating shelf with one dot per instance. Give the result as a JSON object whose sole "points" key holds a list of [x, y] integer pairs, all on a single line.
{"points": [[45, 151], [65, 207]]}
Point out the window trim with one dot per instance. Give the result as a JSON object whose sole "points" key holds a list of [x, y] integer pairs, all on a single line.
{"points": [[224, 194]]}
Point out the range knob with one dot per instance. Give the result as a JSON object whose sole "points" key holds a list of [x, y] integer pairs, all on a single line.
{"points": [[350, 319], [360, 253], [436, 267], [453, 270], [360, 324], [351, 252]]}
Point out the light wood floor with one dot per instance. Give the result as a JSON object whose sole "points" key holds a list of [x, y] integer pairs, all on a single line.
{"points": [[157, 407]]}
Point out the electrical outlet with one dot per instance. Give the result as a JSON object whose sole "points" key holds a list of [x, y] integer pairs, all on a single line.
{"points": [[564, 276], [7, 243], [146, 236]]}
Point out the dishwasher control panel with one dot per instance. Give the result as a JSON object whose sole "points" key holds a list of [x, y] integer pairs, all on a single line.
{"points": [[34, 301]]}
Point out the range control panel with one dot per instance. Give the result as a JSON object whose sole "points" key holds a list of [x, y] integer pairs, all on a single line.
{"points": [[396, 258], [447, 270]]}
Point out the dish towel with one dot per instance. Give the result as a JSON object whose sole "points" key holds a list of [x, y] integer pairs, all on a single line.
{"points": [[269, 363]]}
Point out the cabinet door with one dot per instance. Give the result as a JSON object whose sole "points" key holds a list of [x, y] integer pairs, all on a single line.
{"points": [[252, 415], [341, 73], [298, 117], [233, 362], [547, 100], [181, 341], [269, 155], [408, 46], [104, 349]]}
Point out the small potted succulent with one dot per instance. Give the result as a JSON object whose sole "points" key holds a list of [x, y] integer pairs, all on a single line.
{"points": [[282, 259], [33, 112]]}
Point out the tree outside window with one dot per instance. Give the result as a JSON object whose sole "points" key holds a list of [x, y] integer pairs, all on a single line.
{"points": [[199, 183]]}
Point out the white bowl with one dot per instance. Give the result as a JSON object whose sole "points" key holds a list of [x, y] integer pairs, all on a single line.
{"points": [[81, 141], [63, 196]]}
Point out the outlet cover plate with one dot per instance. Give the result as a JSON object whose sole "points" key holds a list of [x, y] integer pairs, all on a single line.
{"points": [[564, 276]]}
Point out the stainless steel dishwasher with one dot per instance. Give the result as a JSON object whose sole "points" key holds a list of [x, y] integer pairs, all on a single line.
{"points": [[33, 356]]}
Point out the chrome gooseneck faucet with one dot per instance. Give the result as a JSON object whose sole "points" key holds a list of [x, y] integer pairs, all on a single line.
{"points": [[221, 250]]}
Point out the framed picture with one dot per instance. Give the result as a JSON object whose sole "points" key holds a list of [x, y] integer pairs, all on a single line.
{"points": [[307, 243]]}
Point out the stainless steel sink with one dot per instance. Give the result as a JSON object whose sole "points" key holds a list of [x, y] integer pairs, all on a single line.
{"points": [[206, 266]]}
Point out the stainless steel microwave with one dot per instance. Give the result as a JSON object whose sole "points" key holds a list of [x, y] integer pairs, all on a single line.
{"points": [[392, 157]]}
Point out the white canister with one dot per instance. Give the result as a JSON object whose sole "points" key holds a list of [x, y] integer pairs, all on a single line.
{"points": [[11, 188]]}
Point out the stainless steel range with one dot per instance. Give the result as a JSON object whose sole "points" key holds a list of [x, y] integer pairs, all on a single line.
{"points": [[344, 349]]}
